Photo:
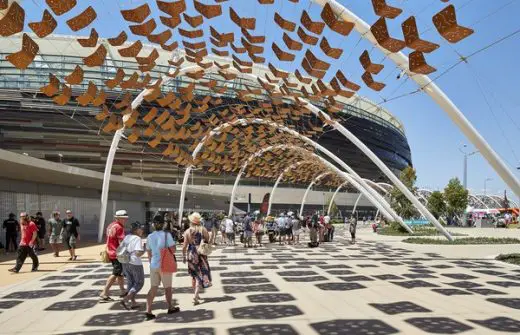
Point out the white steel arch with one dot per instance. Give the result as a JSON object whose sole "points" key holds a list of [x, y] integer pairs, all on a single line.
{"points": [[314, 181], [356, 203], [478, 200], [278, 180], [244, 167], [499, 205], [377, 185], [340, 173], [354, 178], [427, 85], [334, 196]]}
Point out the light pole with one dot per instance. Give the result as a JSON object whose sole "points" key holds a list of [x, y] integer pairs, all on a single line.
{"points": [[485, 184], [465, 172]]}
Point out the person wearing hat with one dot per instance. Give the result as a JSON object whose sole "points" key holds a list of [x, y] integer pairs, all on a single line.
{"points": [[198, 265], [156, 242], [115, 235], [11, 227], [40, 224], [27, 242], [55, 230], [133, 270], [70, 234]]}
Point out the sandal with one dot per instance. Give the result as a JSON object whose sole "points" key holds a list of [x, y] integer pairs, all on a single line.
{"points": [[149, 316], [172, 310], [123, 303], [105, 298]]}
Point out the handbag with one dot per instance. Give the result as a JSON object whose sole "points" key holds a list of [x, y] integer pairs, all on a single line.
{"points": [[122, 254], [168, 260], [204, 248], [104, 256]]}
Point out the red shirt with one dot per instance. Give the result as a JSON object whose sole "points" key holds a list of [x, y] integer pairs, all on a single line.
{"points": [[115, 234], [27, 233]]}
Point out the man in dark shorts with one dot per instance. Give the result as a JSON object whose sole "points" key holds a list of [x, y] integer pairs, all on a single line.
{"points": [[11, 227], [40, 224], [71, 234], [27, 243], [115, 234]]}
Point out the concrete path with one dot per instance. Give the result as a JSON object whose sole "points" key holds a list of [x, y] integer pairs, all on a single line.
{"points": [[378, 286]]}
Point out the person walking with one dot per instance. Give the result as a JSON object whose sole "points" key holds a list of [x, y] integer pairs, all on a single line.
{"points": [[352, 229], [230, 230], [296, 229], [27, 243], [258, 228], [40, 224], [70, 234], [160, 247], [248, 231], [214, 229], [330, 230], [282, 231], [198, 265], [313, 231], [133, 270], [55, 232], [11, 227], [115, 235]]}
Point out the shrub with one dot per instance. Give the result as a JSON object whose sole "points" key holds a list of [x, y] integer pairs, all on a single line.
{"points": [[462, 241], [509, 258]]}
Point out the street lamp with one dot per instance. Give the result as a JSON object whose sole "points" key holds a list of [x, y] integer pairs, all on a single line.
{"points": [[485, 184], [465, 173]]}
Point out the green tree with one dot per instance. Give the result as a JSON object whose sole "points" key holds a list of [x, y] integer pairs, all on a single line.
{"points": [[399, 201], [437, 204], [333, 209], [456, 197]]}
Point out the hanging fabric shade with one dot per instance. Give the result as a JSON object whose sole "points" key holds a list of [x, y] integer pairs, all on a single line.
{"points": [[174, 8], [82, 20], [60, 7], [97, 58], [13, 20], [46, 26], [23, 58], [137, 15], [75, 77], [446, 24], [91, 41]]}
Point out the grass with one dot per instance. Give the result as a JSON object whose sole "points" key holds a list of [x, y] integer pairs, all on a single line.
{"points": [[509, 258], [463, 241], [513, 226], [391, 230]]}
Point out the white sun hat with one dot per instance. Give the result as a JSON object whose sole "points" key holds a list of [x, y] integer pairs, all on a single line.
{"points": [[195, 218], [121, 214]]}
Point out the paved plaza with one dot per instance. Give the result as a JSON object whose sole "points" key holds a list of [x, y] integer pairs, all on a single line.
{"points": [[378, 286]]}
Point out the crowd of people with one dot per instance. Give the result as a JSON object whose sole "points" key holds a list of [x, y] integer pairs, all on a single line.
{"points": [[34, 231], [124, 253], [159, 241]]}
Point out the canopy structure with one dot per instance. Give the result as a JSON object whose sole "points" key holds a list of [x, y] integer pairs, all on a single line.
{"points": [[187, 104]]}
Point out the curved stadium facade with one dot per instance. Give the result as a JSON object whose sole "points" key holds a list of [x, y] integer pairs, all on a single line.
{"points": [[33, 124]]}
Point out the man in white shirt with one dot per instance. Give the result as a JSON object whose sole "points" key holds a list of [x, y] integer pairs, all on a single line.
{"points": [[282, 231], [134, 271], [230, 230]]}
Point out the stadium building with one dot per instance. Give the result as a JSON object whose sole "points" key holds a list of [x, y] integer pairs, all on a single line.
{"points": [[69, 137]]}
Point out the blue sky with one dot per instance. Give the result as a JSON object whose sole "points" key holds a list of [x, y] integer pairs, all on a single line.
{"points": [[486, 89]]}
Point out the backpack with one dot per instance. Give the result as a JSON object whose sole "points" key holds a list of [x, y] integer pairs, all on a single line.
{"points": [[122, 254], [288, 223]]}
